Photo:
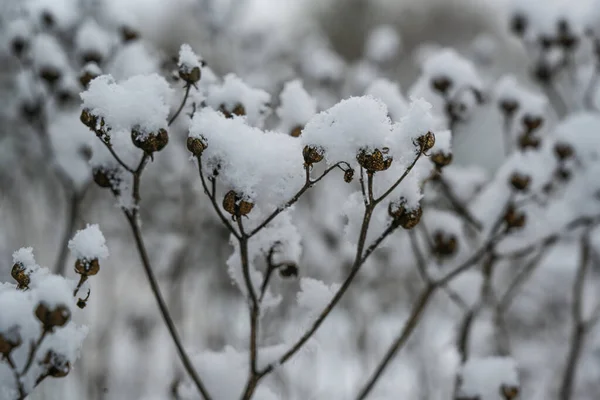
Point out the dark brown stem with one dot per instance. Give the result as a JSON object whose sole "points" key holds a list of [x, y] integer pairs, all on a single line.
{"points": [[458, 206], [404, 175], [72, 213], [117, 158], [32, 352], [11, 364], [410, 325], [185, 97], [579, 325]]}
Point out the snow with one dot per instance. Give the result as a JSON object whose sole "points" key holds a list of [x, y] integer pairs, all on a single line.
{"points": [[484, 377], [140, 102], [389, 92], [188, 60], [91, 38], [48, 53], [89, 244], [24, 256], [296, 106], [383, 44]]}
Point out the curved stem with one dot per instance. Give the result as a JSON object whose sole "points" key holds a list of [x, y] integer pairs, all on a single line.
{"points": [[185, 96]]}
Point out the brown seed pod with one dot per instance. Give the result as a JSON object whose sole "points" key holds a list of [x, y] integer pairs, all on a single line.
{"points": [[407, 219], [348, 175], [532, 122], [562, 174], [88, 119], [296, 132], [86, 77], [520, 181], [426, 141], [18, 46], [444, 244], [128, 34], [509, 392], [238, 110], [441, 160], [528, 141], [87, 267], [313, 154], [374, 161], [57, 366], [441, 84], [196, 145], [10, 340], [509, 107], [151, 142], [50, 75], [106, 178], [518, 24], [514, 219], [288, 270], [19, 274], [563, 151], [190, 77], [91, 56], [52, 318], [235, 205]]}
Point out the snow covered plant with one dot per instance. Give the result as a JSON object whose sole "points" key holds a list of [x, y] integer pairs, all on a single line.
{"points": [[38, 337]]}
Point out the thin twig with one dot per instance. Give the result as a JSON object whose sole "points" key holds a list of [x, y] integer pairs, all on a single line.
{"points": [[185, 96], [72, 214], [117, 158], [404, 175], [458, 206]]}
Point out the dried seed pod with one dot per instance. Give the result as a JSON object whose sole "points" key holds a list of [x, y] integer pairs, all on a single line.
{"points": [[19, 274], [313, 154], [86, 77], [151, 142], [128, 34], [91, 56], [52, 318], [288, 270], [514, 219], [520, 181], [238, 110], [296, 132], [10, 340], [562, 174], [441, 160], [196, 145], [18, 46], [532, 122], [509, 392], [509, 107], [441, 84], [426, 141], [190, 76], [47, 18], [50, 75], [106, 178], [57, 366], [518, 24], [88, 119], [407, 219], [87, 267], [543, 73], [528, 141], [348, 175], [563, 151], [444, 244], [377, 160], [235, 204]]}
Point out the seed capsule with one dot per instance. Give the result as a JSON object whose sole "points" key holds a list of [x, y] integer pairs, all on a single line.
{"points": [[236, 205], [563, 151], [532, 122], [10, 340], [348, 175], [520, 181], [375, 161], [52, 318], [288, 270], [444, 244], [441, 84], [426, 141], [190, 77], [296, 132], [312, 154], [509, 107], [19, 274], [151, 142], [441, 160], [407, 219], [514, 219], [87, 268], [509, 392], [196, 145]]}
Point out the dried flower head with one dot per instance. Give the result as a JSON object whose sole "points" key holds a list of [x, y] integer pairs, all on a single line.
{"points": [[52, 317], [296, 131], [444, 244], [528, 141], [509, 392], [374, 161], [57, 366], [150, 142], [348, 175], [196, 145], [509, 107], [426, 141], [236, 205], [288, 270], [20, 274], [87, 267], [312, 154], [407, 219], [520, 181], [514, 219], [441, 84], [129, 34], [191, 76], [563, 151], [238, 110], [441, 159], [10, 340], [106, 177], [88, 119], [518, 24], [532, 122]]}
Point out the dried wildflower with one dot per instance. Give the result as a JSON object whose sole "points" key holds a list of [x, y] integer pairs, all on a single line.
{"points": [[563, 151], [374, 161], [566, 38], [86, 77], [528, 141], [48, 19], [543, 73], [151, 142], [235, 204], [57, 366], [441, 159], [18, 46], [10, 340], [426, 141], [238, 110], [105, 177], [514, 218], [348, 175], [532, 122], [441, 84], [190, 77], [87, 267], [91, 56], [562, 174], [297, 131], [128, 34], [88, 119], [518, 24], [407, 219], [196, 145], [509, 392], [520, 181], [52, 318], [312, 154], [288, 270], [444, 244], [50, 74], [19, 274], [509, 107]]}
